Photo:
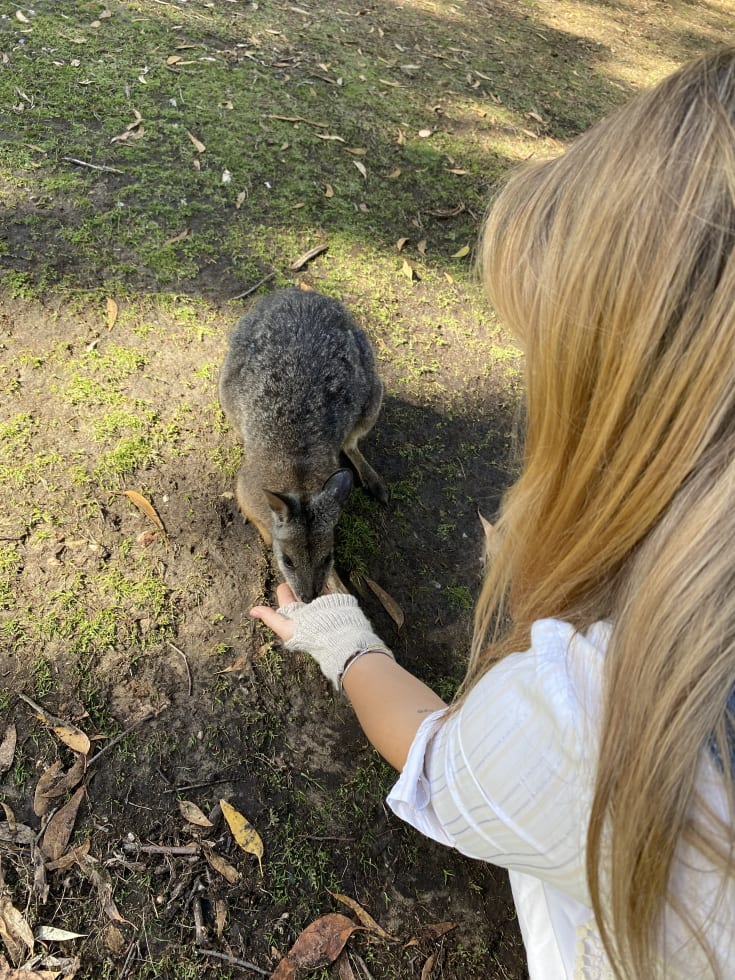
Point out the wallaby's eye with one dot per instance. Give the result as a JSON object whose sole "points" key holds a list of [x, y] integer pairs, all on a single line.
{"points": [[288, 562]]}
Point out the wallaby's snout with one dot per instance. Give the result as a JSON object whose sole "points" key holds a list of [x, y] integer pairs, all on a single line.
{"points": [[303, 533], [300, 387]]}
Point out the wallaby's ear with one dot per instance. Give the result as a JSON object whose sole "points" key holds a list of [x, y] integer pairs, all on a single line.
{"points": [[279, 504], [337, 487]]}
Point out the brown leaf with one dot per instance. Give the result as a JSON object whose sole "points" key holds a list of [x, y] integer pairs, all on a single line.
{"points": [[408, 270], [304, 259], [75, 855], [69, 734], [425, 133], [461, 252], [67, 781], [361, 167], [240, 664], [103, 884], [220, 916], [387, 602], [401, 243], [428, 969], [177, 238], [344, 970], [46, 782], [300, 119], [7, 748], [17, 833], [14, 931], [147, 508], [394, 174], [173, 59], [112, 310], [456, 170], [329, 191], [438, 929], [198, 145], [72, 736], [60, 827], [421, 247], [364, 917], [216, 861], [330, 137], [447, 212], [191, 812], [400, 138], [318, 945], [358, 151]]}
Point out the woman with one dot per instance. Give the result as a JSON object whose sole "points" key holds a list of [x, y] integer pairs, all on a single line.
{"points": [[591, 750]]}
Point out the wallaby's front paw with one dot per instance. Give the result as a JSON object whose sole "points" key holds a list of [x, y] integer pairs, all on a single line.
{"points": [[378, 490]]}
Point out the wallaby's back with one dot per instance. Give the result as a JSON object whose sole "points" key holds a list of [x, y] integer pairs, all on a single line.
{"points": [[299, 385]]}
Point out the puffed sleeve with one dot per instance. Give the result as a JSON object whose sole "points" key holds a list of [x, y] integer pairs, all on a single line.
{"points": [[508, 778]]}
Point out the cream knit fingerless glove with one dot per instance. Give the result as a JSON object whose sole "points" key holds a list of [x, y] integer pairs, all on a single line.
{"points": [[334, 631]]}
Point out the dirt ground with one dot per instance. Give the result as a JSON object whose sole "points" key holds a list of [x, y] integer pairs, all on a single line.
{"points": [[128, 630]]}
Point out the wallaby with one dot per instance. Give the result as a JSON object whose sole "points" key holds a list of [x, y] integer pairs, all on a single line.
{"points": [[299, 385]]}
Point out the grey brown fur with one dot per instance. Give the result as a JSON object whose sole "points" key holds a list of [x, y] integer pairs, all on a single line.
{"points": [[299, 385]]}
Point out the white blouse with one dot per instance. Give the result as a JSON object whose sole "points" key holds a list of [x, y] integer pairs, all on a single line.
{"points": [[509, 779]]}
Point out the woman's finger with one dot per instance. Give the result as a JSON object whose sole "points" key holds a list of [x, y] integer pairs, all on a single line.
{"points": [[281, 626], [285, 594]]}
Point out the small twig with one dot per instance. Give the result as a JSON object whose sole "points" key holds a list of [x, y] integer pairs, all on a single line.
{"points": [[182, 654], [200, 930], [256, 286], [363, 966], [93, 166], [210, 782], [233, 961], [121, 736], [184, 851]]}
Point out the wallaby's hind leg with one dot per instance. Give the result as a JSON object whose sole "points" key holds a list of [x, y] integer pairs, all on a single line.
{"points": [[247, 512], [368, 477]]}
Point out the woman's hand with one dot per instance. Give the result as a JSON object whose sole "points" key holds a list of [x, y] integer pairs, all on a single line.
{"points": [[281, 625]]}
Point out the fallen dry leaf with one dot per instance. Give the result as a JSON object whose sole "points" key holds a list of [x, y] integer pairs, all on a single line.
{"points": [[361, 167], [73, 856], [329, 191], [246, 836], [191, 812], [102, 882], [447, 212], [428, 970], [216, 861], [17, 833], [7, 748], [304, 259], [461, 252], [401, 243], [184, 233], [19, 15], [387, 602], [197, 143], [408, 270], [112, 310], [364, 917], [421, 247], [358, 151], [240, 664], [344, 970], [394, 174], [46, 782], [14, 931], [145, 507], [318, 945], [456, 170], [50, 934], [59, 829], [330, 137], [69, 734], [425, 133]]}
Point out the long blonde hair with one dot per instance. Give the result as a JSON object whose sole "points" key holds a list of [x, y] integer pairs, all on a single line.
{"points": [[615, 266]]}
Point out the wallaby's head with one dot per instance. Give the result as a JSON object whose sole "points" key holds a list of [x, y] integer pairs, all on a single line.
{"points": [[303, 533]]}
